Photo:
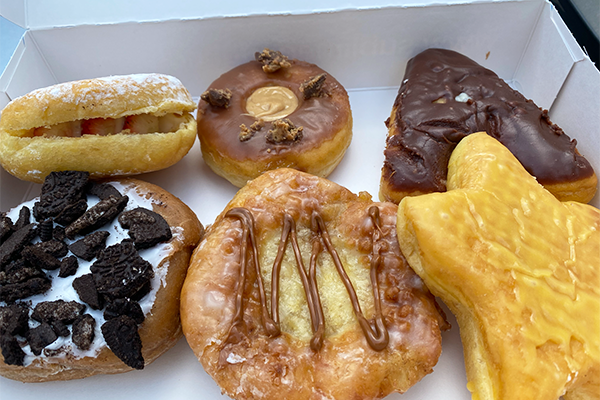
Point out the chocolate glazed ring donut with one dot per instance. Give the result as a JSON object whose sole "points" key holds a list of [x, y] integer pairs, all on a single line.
{"points": [[240, 142]]}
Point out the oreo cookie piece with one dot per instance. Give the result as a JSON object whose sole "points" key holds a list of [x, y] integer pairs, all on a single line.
{"points": [[54, 247], [146, 227], [39, 258], [103, 190], [120, 272], [11, 248], [85, 286], [97, 216], [6, 227], [127, 307], [59, 191], [71, 212], [40, 337], [83, 331], [57, 310], [122, 337], [20, 280], [13, 319], [89, 246], [68, 266], [11, 350]]}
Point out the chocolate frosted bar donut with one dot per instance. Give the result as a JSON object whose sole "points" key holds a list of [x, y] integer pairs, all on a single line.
{"points": [[444, 97]]}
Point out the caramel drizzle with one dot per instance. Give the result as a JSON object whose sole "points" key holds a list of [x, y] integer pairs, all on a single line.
{"points": [[377, 336]]}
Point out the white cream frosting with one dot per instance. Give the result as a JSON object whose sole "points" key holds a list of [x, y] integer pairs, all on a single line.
{"points": [[62, 288]]}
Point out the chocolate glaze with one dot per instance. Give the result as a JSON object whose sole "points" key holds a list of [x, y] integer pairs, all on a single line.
{"points": [[320, 117], [423, 132], [377, 336]]}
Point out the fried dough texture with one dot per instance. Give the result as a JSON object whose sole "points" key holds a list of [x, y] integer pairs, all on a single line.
{"points": [[31, 156], [518, 268], [287, 348], [161, 328]]}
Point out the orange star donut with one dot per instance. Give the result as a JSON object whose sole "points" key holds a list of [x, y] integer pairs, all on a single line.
{"points": [[518, 268]]}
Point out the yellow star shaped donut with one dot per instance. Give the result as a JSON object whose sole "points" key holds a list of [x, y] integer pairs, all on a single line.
{"points": [[519, 269]]}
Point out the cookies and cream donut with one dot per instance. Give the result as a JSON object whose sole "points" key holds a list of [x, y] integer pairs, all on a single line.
{"points": [[112, 126], [270, 113], [90, 276], [299, 291], [445, 96]]}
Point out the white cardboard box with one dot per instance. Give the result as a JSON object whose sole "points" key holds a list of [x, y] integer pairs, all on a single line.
{"points": [[366, 48]]}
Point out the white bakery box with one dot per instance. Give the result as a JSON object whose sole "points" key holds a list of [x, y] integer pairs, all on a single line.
{"points": [[365, 47]]}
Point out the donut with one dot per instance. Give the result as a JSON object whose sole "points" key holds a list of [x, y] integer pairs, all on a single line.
{"points": [[112, 126], [299, 291], [90, 277], [273, 112], [519, 270], [446, 96]]}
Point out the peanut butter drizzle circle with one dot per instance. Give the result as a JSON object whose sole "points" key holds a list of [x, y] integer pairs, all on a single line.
{"points": [[321, 117], [271, 102], [377, 336]]}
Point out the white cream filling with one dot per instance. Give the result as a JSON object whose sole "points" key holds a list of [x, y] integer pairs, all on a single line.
{"points": [[62, 288]]}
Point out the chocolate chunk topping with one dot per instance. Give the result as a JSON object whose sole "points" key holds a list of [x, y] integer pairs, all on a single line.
{"points": [[68, 266], [24, 218], [57, 310], [11, 350], [103, 190], [11, 247], [40, 337], [120, 272], [39, 258], [85, 286], [127, 307], [83, 331], [446, 96], [6, 227], [284, 131], [89, 246], [247, 133], [97, 216], [60, 189], [272, 60], [217, 97], [146, 227], [313, 87], [123, 339], [13, 319], [71, 212], [53, 247]]}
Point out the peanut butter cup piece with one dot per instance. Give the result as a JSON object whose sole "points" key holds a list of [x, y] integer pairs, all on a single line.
{"points": [[217, 97], [272, 60]]}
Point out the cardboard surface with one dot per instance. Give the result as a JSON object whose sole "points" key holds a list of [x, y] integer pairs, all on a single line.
{"points": [[366, 50]]}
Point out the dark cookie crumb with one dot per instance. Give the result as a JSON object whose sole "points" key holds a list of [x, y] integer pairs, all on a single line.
{"points": [[146, 227], [122, 337], [68, 266], [120, 272], [97, 216], [59, 233], [103, 190], [284, 131], [15, 243], [6, 227], [40, 337], [45, 229], [127, 307], [20, 280], [60, 190], [60, 328], [247, 133], [313, 87], [89, 247], [83, 331], [39, 258], [24, 218], [56, 248], [217, 97], [57, 310], [85, 287], [11, 350], [272, 60], [13, 319], [71, 212]]}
